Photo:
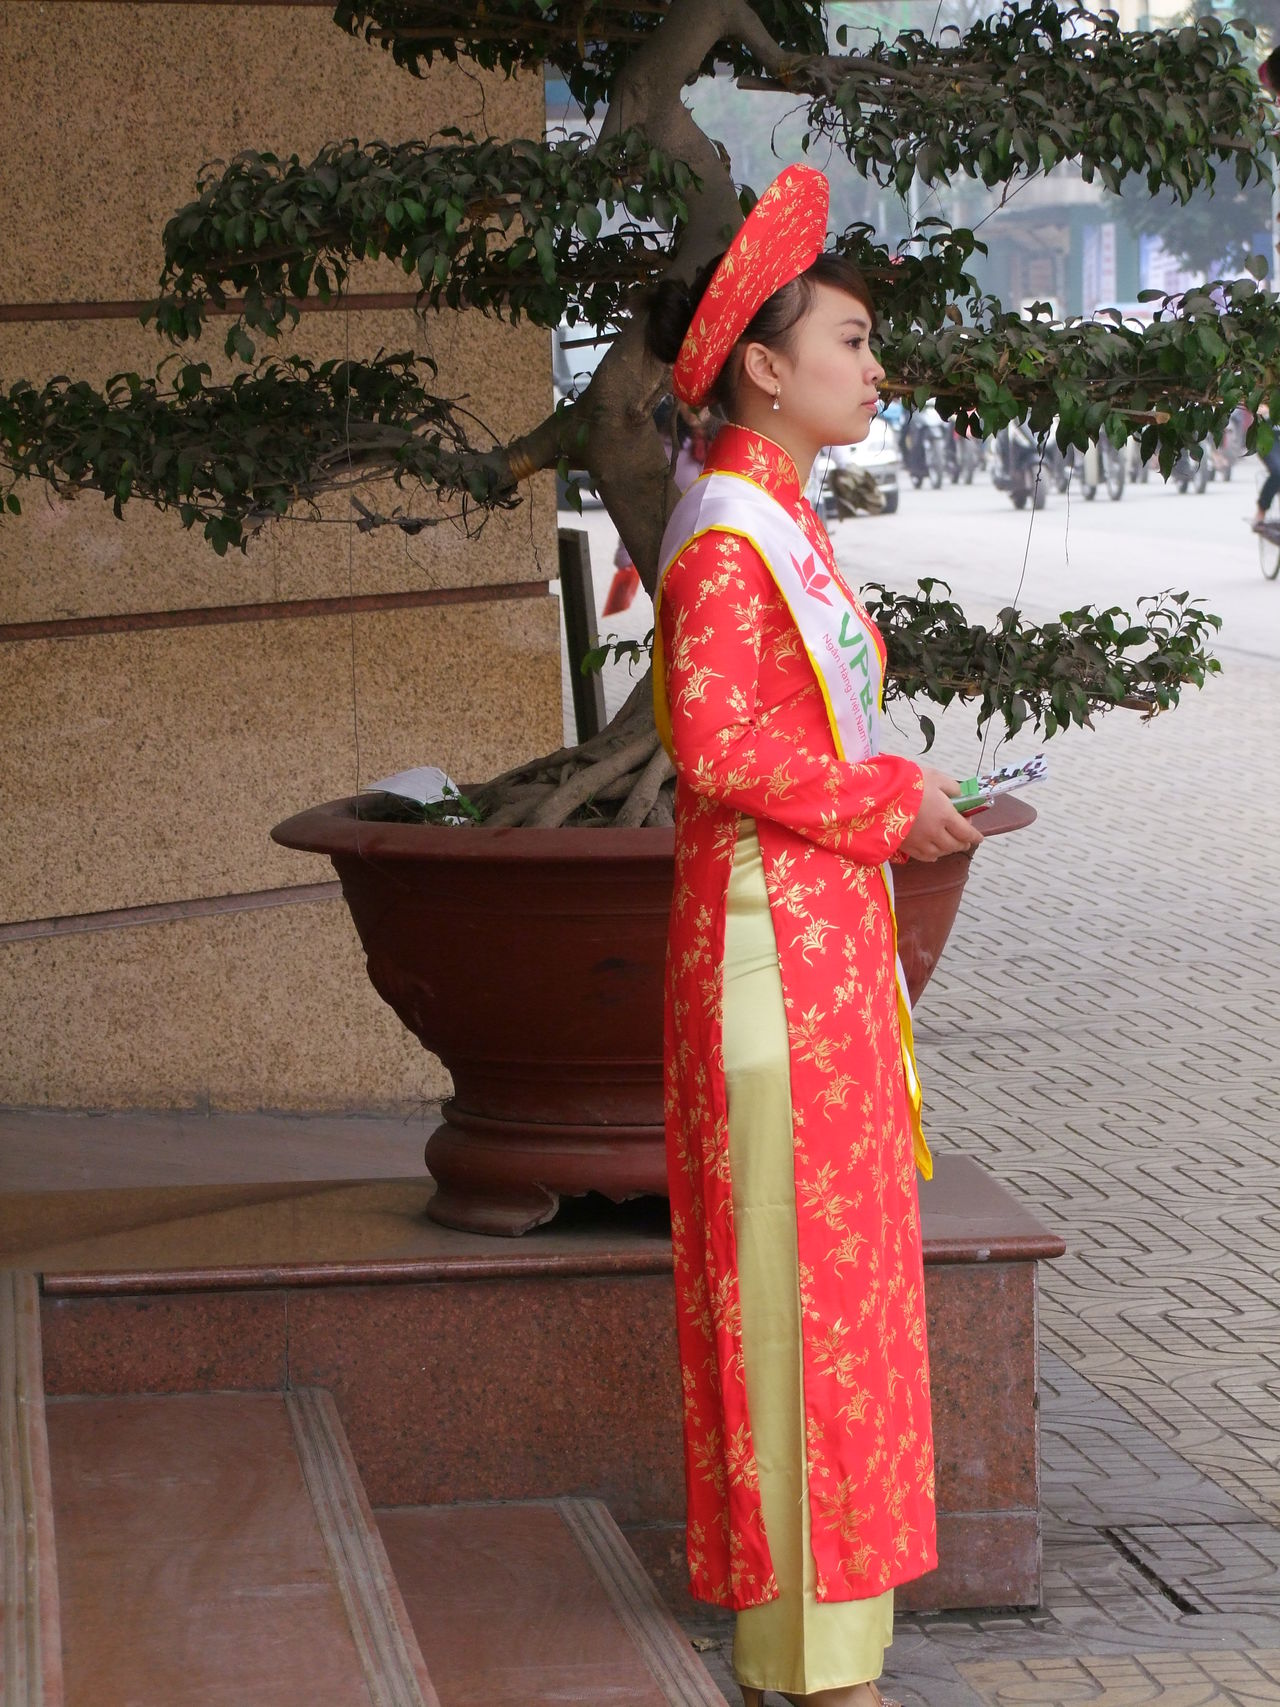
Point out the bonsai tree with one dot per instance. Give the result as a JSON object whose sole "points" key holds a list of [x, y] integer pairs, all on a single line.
{"points": [[518, 228]]}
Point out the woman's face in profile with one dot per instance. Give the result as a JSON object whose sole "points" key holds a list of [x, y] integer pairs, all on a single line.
{"points": [[831, 393]]}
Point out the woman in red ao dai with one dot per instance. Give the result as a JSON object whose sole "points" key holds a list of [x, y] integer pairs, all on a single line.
{"points": [[792, 1103]]}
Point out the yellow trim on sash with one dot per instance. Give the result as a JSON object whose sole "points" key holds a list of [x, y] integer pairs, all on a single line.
{"points": [[915, 1095], [662, 717]]}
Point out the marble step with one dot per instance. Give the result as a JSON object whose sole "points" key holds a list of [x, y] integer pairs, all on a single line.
{"points": [[30, 1651], [217, 1550], [521, 1604]]}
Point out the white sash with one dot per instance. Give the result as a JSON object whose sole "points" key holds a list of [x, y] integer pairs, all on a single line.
{"points": [[841, 648], [839, 643]]}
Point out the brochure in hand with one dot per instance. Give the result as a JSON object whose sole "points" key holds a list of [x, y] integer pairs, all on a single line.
{"points": [[978, 792]]}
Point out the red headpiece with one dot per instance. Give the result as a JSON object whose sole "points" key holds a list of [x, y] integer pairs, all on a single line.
{"points": [[781, 236]]}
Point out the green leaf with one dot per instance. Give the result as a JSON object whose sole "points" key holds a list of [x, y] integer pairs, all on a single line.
{"points": [[1211, 344], [239, 343]]}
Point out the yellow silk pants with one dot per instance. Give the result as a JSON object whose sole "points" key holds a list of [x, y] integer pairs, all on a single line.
{"points": [[793, 1643]]}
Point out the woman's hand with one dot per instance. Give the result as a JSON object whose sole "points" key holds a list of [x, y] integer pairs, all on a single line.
{"points": [[939, 829]]}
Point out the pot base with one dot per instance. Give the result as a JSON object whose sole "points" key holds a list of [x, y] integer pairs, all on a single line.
{"points": [[506, 1177], [506, 1214]]}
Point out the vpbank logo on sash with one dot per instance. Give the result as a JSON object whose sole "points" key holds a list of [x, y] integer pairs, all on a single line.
{"points": [[812, 579], [853, 640]]}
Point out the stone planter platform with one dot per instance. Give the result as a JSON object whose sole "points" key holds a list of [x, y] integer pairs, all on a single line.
{"points": [[221, 1548], [469, 1369]]}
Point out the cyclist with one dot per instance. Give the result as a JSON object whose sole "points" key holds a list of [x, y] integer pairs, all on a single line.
{"points": [[1271, 485]]}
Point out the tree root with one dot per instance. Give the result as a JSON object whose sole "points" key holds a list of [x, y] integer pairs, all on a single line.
{"points": [[623, 764], [642, 798], [633, 716], [583, 784], [624, 767], [517, 810], [663, 811]]}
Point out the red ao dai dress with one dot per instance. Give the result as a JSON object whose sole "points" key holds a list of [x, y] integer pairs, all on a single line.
{"points": [[792, 1152]]}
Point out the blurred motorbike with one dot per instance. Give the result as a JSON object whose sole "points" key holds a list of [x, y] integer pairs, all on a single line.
{"points": [[1231, 448], [922, 439], [1017, 466], [969, 455], [854, 491], [1102, 464], [1138, 469], [1188, 472]]}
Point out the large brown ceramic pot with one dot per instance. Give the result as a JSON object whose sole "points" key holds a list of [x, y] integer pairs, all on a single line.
{"points": [[927, 897], [530, 962]]}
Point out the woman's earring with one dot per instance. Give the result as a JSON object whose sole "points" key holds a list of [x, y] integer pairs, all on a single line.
{"points": [[777, 399]]}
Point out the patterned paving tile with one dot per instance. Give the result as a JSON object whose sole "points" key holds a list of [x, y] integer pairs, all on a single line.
{"points": [[1114, 1054], [1247, 1679], [1232, 1567], [1101, 1469]]}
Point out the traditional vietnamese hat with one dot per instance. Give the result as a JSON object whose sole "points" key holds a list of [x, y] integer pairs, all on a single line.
{"points": [[782, 235]]}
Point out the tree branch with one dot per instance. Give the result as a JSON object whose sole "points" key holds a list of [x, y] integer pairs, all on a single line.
{"points": [[1029, 87], [630, 467]]}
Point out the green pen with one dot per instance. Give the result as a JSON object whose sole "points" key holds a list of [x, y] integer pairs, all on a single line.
{"points": [[972, 797]]}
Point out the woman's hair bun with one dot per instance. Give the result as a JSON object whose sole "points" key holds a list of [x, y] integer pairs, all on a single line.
{"points": [[671, 306]]}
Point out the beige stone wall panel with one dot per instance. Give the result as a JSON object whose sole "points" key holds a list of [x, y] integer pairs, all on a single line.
{"points": [[149, 767], [269, 1009], [122, 104]]}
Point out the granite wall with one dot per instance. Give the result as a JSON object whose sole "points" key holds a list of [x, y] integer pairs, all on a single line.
{"points": [[162, 707]]}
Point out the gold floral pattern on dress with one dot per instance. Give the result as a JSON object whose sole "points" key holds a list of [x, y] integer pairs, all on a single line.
{"points": [[751, 737]]}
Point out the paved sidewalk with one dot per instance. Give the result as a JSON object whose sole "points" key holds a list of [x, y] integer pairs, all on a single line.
{"points": [[1109, 1018], [1104, 1032]]}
